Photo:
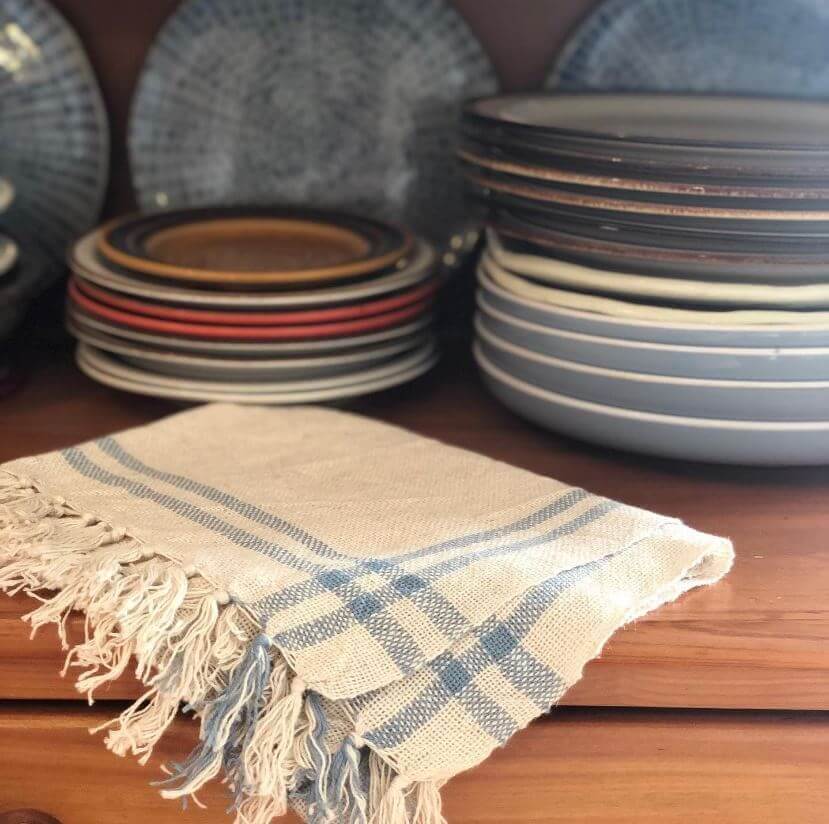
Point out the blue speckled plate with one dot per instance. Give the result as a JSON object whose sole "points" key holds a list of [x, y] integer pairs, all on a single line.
{"points": [[765, 47], [54, 140], [333, 103]]}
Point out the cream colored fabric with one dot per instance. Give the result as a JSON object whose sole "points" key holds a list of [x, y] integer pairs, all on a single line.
{"points": [[401, 606]]}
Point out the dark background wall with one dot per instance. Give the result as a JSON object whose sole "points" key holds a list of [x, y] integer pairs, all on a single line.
{"points": [[521, 36]]}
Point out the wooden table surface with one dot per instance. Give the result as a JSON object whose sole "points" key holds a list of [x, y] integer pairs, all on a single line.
{"points": [[758, 640], [577, 766]]}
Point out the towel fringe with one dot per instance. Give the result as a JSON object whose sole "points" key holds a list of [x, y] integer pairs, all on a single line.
{"points": [[190, 643]]}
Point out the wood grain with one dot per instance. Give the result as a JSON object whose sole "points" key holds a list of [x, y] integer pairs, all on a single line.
{"points": [[577, 766], [758, 640]]}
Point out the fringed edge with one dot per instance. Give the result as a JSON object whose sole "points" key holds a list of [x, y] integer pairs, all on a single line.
{"points": [[260, 727]]}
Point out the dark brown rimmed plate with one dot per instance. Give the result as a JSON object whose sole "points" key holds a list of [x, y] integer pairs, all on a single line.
{"points": [[622, 183], [523, 235], [253, 246], [766, 224], [705, 135]]}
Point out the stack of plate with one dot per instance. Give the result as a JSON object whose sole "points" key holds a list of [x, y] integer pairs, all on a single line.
{"points": [[258, 304], [656, 275]]}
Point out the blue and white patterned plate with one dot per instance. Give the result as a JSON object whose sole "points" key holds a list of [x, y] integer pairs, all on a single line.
{"points": [[332, 103], [54, 143], [766, 47]]}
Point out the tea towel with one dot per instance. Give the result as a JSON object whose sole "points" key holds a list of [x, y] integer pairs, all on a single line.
{"points": [[355, 613]]}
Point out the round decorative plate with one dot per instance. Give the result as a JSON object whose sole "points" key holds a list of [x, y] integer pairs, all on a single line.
{"points": [[764, 47], [253, 246], [54, 138], [409, 271], [337, 102]]}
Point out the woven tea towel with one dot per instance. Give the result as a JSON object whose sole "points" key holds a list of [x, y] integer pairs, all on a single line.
{"points": [[354, 612]]}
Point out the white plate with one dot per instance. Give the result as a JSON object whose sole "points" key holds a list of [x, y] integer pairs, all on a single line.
{"points": [[735, 362], [611, 318], [412, 270], [249, 349], [697, 439], [100, 368], [694, 397], [689, 291], [214, 368]]}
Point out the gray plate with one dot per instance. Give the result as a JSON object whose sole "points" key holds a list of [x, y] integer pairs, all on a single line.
{"points": [[697, 398], [695, 439], [718, 363], [335, 102], [54, 138], [678, 334]]}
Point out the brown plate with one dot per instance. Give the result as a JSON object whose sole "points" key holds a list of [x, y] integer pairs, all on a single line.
{"points": [[253, 246], [604, 201], [655, 256], [680, 191]]}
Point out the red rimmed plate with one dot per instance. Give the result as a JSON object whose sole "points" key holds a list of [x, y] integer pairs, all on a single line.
{"points": [[339, 329], [297, 317]]}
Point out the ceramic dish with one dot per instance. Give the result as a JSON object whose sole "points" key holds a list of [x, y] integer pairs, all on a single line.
{"points": [[763, 443], [409, 272], [248, 349], [764, 47], [707, 362], [351, 312], [679, 191], [98, 367], [332, 102], [253, 246], [54, 140], [708, 137], [676, 291], [695, 397], [619, 309], [8, 254], [654, 253], [678, 328], [774, 218], [308, 331], [219, 368]]}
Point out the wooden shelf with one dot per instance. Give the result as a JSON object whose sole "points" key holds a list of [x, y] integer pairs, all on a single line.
{"points": [[576, 767], [758, 640]]}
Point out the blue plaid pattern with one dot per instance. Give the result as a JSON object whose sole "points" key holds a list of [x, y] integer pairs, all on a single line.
{"points": [[369, 609]]}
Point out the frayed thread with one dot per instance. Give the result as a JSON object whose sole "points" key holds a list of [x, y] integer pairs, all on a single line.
{"points": [[190, 643]]}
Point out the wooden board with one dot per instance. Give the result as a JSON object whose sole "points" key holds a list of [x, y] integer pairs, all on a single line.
{"points": [[591, 766], [759, 640]]}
